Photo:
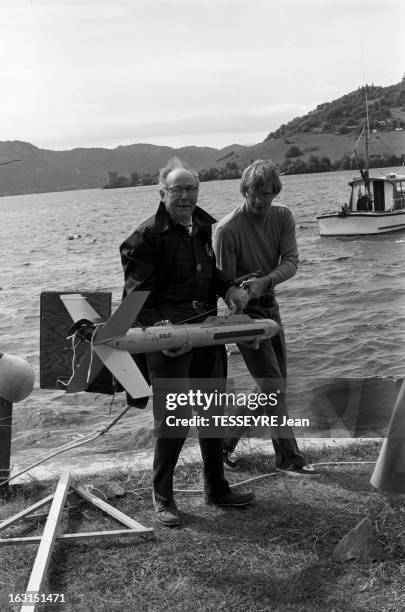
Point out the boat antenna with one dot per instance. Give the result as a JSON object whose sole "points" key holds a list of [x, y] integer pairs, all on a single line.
{"points": [[355, 153]]}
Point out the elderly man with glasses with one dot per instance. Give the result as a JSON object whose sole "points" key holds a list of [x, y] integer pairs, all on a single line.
{"points": [[171, 255], [257, 240]]}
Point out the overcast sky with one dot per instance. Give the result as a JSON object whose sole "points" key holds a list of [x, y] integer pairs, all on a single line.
{"points": [[87, 73]]}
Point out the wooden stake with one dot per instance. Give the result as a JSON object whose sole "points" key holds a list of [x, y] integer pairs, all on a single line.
{"points": [[23, 513], [49, 536], [47, 541], [116, 514], [74, 537]]}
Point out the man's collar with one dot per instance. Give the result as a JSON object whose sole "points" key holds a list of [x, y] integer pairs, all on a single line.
{"points": [[163, 221]]}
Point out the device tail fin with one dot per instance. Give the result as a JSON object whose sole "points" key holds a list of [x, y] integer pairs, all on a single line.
{"points": [[124, 369], [121, 365], [79, 308], [122, 319]]}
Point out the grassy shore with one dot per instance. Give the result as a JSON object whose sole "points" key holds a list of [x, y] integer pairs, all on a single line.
{"points": [[275, 555]]}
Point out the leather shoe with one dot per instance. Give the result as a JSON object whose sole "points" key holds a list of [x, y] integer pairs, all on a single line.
{"points": [[231, 499], [166, 513], [298, 470]]}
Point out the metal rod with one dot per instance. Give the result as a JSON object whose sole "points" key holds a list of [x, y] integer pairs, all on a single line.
{"points": [[5, 440]]}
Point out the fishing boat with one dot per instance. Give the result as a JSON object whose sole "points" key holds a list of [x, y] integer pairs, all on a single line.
{"points": [[376, 204]]}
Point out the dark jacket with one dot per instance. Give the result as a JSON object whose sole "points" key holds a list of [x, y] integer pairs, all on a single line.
{"points": [[161, 257]]}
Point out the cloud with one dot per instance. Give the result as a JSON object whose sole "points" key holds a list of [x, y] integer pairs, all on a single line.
{"points": [[87, 69]]}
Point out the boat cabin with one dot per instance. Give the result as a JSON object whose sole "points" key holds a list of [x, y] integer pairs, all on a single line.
{"points": [[386, 194]]}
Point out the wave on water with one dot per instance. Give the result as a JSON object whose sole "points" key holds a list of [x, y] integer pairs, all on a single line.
{"points": [[342, 312]]}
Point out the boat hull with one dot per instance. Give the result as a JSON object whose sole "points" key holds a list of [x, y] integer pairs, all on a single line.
{"points": [[360, 223]]}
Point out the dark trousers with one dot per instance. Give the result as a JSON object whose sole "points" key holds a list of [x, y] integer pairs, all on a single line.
{"points": [[172, 375], [268, 367]]}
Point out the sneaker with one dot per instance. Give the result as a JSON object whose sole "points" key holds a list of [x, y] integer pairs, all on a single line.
{"points": [[229, 461], [297, 470], [231, 499], [166, 513]]}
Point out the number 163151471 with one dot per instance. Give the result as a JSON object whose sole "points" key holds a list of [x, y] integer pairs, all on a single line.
{"points": [[33, 597]]}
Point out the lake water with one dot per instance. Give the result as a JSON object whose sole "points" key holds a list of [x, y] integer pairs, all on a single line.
{"points": [[343, 312]]}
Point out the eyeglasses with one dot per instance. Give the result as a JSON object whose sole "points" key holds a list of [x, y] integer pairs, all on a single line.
{"points": [[176, 190], [264, 196]]}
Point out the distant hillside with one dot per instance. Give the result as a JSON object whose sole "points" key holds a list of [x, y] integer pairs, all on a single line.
{"points": [[299, 149], [321, 140], [42, 170], [347, 115], [324, 138]]}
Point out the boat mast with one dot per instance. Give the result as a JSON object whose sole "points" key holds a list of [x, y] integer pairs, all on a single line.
{"points": [[366, 160], [367, 130], [365, 173]]}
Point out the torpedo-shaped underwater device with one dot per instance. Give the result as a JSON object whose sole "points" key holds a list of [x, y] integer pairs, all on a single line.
{"points": [[115, 340]]}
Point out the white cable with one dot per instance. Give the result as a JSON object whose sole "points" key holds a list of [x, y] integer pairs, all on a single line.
{"points": [[268, 475], [91, 354], [344, 463], [61, 449], [42, 459]]}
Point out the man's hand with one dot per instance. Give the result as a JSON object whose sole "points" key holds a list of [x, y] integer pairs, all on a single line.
{"points": [[251, 344], [177, 352], [236, 299], [173, 352], [255, 286]]}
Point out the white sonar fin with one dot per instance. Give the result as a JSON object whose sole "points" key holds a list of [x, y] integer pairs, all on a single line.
{"points": [[82, 377], [122, 319], [124, 369], [79, 308]]}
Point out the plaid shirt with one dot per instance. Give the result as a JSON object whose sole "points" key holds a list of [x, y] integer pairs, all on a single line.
{"points": [[177, 268]]}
